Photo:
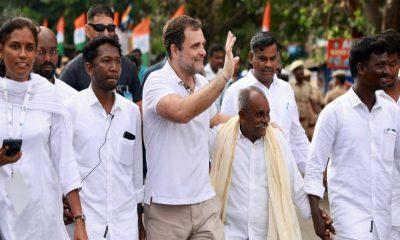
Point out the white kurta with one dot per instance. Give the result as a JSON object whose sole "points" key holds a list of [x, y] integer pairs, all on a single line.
{"points": [[48, 168], [364, 147], [111, 166], [247, 205], [284, 112]]}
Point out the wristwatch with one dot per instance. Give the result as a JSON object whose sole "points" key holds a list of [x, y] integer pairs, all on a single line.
{"points": [[80, 216]]}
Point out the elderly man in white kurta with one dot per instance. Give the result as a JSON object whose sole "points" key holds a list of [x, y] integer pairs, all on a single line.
{"points": [[255, 176]]}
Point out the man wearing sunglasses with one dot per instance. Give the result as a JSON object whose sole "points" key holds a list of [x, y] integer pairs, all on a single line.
{"points": [[100, 22]]}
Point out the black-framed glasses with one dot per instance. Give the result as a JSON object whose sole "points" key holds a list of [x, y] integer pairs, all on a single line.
{"points": [[101, 27], [51, 51]]}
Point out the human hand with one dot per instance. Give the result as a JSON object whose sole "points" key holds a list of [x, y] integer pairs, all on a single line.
{"points": [[4, 159], [230, 60], [68, 217], [323, 225]]}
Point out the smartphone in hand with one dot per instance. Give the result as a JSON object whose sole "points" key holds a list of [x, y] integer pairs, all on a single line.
{"points": [[14, 146]]}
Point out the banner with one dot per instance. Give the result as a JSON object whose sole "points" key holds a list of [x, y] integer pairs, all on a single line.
{"points": [[338, 53]]}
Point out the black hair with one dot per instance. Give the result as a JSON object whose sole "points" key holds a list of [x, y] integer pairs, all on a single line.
{"points": [[392, 39], [9, 26], [174, 31], [341, 79], [362, 49], [215, 47], [90, 52], [261, 40], [99, 9]]}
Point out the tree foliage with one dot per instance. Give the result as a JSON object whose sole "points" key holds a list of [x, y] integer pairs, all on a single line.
{"points": [[292, 21]]}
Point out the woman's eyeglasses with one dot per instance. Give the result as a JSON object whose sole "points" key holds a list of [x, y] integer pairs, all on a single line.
{"points": [[102, 27]]}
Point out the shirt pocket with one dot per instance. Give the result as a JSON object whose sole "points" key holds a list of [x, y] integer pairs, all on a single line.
{"points": [[125, 154], [389, 140]]}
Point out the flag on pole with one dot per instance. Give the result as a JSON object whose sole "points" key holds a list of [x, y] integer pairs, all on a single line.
{"points": [[179, 12], [45, 23], [116, 19], [267, 17], [60, 36], [141, 39], [126, 18], [79, 33]]}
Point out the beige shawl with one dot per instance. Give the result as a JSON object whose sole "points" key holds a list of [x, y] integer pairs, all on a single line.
{"points": [[283, 223]]}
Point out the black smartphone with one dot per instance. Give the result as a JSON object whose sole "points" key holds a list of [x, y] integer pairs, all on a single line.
{"points": [[14, 146], [129, 135]]}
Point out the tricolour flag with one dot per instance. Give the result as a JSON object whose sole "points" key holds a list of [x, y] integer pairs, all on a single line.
{"points": [[60, 35], [126, 18], [179, 12], [79, 33], [266, 17], [141, 39]]}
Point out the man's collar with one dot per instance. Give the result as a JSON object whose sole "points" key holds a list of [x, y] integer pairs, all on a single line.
{"points": [[355, 100], [93, 100], [254, 79]]}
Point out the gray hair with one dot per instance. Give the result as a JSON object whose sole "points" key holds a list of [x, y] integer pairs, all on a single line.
{"points": [[244, 96]]}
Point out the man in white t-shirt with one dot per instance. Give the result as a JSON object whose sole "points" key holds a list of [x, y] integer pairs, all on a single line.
{"points": [[178, 111], [46, 62]]}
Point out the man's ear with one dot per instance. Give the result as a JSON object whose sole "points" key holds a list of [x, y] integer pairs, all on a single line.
{"points": [[242, 115], [89, 68], [361, 69], [1, 51], [174, 50], [251, 55]]}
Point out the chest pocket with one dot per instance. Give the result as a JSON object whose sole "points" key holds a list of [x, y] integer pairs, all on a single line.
{"points": [[125, 153], [389, 140]]}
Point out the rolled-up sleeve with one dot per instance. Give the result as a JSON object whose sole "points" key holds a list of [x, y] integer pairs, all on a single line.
{"points": [[62, 154], [320, 150]]}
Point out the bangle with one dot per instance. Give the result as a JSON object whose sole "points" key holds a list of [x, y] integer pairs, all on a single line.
{"points": [[226, 80]]}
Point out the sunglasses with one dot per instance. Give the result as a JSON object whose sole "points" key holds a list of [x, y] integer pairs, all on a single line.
{"points": [[102, 27]]}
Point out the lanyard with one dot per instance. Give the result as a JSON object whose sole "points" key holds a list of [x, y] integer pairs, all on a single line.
{"points": [[24, 109]]}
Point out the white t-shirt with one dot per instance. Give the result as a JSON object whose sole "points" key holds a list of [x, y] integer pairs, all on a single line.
{"points": [[177, 154]]}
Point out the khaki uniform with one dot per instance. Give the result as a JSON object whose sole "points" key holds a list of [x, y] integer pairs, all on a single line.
{"points": [[317, 102], [302, 94], [335, 93]]}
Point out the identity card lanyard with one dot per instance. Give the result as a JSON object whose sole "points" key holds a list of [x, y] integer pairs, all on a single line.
{"points": [[22, 116]]}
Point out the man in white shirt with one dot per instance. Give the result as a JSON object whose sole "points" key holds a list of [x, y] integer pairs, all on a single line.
{"points": [[392, 93], [108, 146], [264, 58], [359, 132], [249, 158], [46, 62], [179, 200]]}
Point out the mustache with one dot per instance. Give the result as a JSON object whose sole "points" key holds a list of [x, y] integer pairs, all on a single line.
{"points": [[48, 64]]}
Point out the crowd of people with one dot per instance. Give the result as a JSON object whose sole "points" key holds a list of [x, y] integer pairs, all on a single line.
{"points": [[202, 152]]}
